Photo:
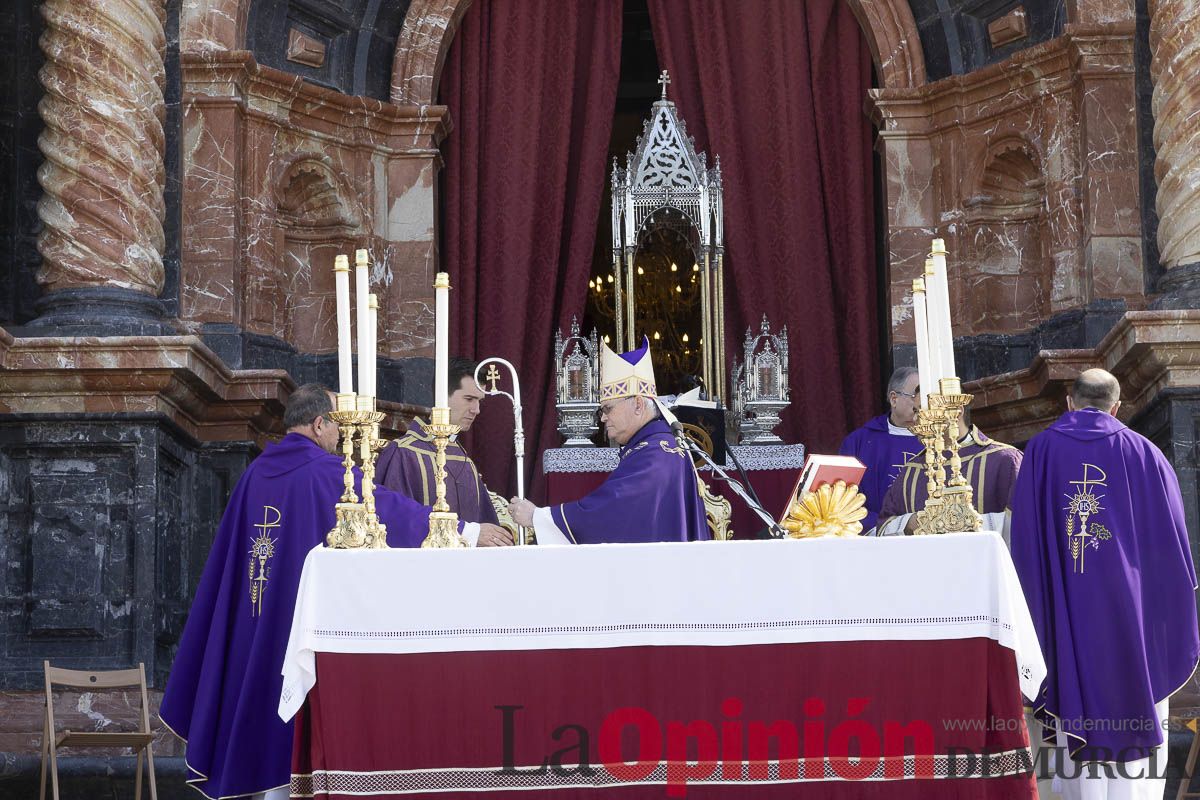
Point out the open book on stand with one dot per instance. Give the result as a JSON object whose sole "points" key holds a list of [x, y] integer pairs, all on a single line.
{"points": [[820, 470]]}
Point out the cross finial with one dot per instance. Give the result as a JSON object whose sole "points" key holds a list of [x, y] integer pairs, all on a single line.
{"points": [[493, 375], [664, 79]]}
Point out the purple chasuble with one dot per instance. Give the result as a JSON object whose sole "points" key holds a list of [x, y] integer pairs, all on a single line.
{"points": [[652, 496], [1100, 544], [990, 468], [223, 692], [884, 454], [406, 466]]}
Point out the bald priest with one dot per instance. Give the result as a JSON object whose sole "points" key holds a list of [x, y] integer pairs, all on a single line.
{"points": [[653, 494]]}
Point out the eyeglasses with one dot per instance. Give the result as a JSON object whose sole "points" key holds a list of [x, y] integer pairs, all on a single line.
{"points": [[606, 410], [910, 396]]}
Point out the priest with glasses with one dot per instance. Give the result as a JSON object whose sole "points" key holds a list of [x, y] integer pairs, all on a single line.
{"points": [[653, 494]]}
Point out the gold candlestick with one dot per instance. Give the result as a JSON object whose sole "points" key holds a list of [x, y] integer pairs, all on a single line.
{"points": [[443, 523], [350, 530], [950, 506], [368, 439], [357, 524]]}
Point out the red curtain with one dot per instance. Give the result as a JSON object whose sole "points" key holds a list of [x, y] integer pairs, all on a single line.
{"points": [[776, 88], [531, 88]]}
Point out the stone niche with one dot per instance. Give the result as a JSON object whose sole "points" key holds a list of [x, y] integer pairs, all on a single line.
{"points": [[1005, 255], [279, 176], [1028, 169]]}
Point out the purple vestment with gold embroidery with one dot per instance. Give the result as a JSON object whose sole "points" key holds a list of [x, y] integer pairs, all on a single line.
{"points": [[652, 496], [406, 466], [990, 468], [1100, 544], [223, 692]]}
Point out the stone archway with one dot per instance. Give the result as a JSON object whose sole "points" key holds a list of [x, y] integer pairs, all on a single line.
{"points": [[421, 50], [430, 26], [895, 44]]}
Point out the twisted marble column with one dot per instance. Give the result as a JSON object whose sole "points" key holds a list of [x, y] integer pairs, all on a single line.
{"points": [[103, 174], [1175, 63]]}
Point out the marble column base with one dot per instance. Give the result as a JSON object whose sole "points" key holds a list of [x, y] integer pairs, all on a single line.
{"points": [[1180, 288], [100, 311]]}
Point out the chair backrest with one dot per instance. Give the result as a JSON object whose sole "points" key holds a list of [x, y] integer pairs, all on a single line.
{"points": [[717, 512], [97, 679]]}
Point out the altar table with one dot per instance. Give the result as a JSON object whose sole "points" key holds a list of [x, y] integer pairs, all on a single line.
{"points": [[572, 472], [833, 668]]}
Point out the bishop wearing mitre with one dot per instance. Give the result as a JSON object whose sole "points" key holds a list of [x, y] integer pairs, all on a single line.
{"points": [[653, 494]]}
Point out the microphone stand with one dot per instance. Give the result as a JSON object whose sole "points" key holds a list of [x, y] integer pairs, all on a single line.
{"points": [[685, 441]]}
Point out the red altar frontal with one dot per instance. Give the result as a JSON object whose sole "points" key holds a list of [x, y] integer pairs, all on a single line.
{"points": [[830, 668]]}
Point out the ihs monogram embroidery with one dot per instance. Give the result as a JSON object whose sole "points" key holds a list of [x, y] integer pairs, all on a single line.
{"points": [[261, 552], [1082, 506]]}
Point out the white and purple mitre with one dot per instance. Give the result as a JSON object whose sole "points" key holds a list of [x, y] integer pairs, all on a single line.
{"points": [[630, 375], [626, 374]]}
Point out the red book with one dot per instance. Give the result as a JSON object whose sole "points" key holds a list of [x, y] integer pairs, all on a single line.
{"points": [[820, 470]]}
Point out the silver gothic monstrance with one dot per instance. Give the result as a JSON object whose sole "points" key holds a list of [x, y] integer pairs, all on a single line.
{"points": [[666, 183]]}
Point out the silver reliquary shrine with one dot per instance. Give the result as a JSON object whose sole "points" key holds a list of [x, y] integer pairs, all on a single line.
{"points": [[665, 183], [577, 367], [760, 385]]}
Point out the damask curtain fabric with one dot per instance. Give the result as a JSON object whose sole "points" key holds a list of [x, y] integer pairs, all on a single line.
{"points": [[531, 87], [777, 89]]}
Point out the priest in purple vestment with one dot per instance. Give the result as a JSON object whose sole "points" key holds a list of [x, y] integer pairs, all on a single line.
{"points": [[990, 468], [1101, 547], [406, 465], [653, 495], [224, 686], [885, 443]]}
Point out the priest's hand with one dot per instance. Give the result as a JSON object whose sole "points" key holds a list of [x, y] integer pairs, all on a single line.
{"points": [[493, 536], [521, 511]]}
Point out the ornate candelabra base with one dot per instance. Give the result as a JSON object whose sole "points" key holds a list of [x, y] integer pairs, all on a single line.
{"points": [[351, 530], [443, 531], [357, 525], [951, 505], [443, 523], [954, 511]]}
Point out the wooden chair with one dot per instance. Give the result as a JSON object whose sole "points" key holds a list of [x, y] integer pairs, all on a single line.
{"points": [[140, 739]]}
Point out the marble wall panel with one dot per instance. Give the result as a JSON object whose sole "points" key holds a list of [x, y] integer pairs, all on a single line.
{"points": [[317, 173], [1033, 236]]}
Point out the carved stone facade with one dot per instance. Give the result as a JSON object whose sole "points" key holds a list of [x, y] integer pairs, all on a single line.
{"points": [[1030, 176], [284, 175]]}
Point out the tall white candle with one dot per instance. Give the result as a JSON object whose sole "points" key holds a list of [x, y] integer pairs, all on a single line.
{"points": [[362, 284], [441, 342], [932, 327], [921, 323], [341, 282], [946, 335], [373, 337]]}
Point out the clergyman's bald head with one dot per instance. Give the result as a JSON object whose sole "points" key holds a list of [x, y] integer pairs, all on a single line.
{"points": [[1095, 388]]}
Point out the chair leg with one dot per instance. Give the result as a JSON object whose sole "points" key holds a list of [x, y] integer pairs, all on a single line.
{"points": [[1188, 767], [137, 792], [53, 768], [45, 755], [150, 765]]}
